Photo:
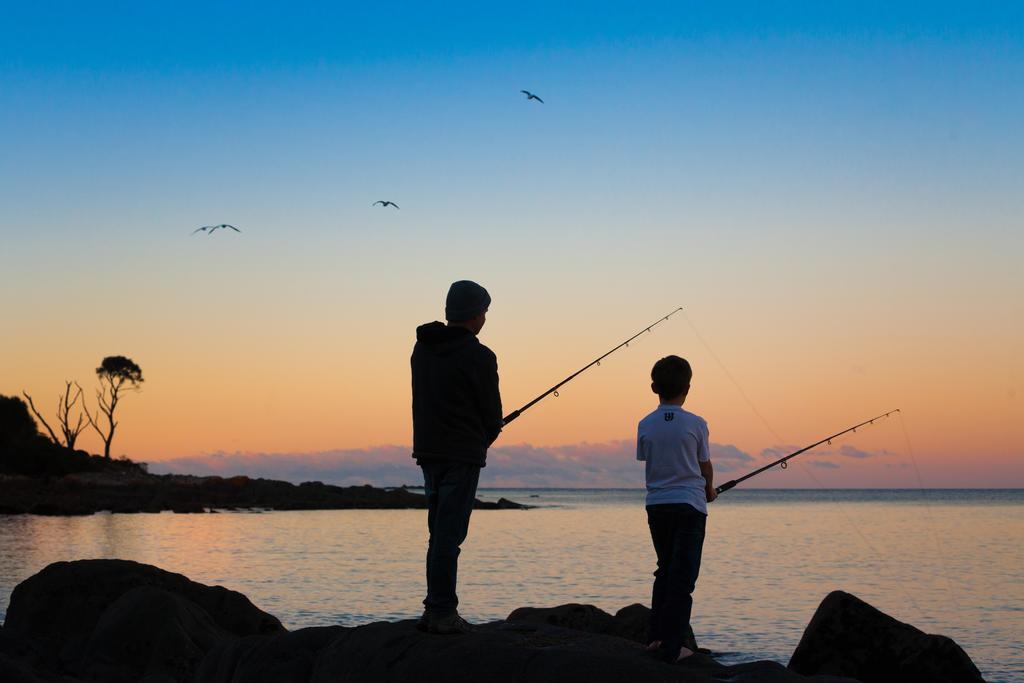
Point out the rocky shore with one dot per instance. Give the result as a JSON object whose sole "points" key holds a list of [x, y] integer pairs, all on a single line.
{"points": [[130, 490], [42, 478], [118, 621]]}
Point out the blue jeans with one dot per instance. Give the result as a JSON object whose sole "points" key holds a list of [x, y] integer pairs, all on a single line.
{"points": [[678, 534], [450, 488]]}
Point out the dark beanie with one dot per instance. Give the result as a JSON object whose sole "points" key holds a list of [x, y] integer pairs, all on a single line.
{"points": [[466, 300]]}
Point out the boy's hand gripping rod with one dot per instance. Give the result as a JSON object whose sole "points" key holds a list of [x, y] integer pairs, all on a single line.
{"points": [[782, 461], [554, 390]]}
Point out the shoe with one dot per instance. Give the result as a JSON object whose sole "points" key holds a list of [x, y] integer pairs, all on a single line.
{"points": [[449, 624], [424, 622]]}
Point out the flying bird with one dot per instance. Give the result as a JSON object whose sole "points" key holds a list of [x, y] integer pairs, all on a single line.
{"points": [[384, 202], [210, 229], [531, 96]]}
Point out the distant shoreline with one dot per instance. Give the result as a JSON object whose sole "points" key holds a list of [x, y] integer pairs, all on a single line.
{"points": [[131, 490], [59, 482]]}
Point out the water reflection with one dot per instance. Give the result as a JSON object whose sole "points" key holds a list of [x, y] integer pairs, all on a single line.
{"points": [[951, 567]]}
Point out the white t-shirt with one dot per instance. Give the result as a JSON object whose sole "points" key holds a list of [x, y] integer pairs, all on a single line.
{"points": [[672, 441]]}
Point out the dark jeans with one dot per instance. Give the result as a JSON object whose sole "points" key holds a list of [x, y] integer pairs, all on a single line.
{"points": [[451, 489], [678, 534]]}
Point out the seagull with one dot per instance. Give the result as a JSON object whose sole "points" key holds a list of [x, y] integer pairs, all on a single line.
{"points": [[531, 96], [384, 202], [210, 229]]}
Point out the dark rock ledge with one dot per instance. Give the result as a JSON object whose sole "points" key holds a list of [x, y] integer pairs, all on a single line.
{"points": [[130, 490], [114, 620]]}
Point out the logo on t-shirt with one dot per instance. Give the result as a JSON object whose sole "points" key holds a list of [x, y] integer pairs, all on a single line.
{"points": [[669, 417]]}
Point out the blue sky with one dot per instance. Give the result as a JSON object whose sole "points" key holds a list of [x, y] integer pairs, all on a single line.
{"points": [[830, 185], [693, 98], [198, 35]]}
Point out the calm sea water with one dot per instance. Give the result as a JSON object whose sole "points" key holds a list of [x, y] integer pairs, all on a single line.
{"points": [[947, 561]]}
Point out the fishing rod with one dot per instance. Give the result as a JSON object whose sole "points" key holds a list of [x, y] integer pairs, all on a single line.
{"points": [[782, 461], [554, 390]]}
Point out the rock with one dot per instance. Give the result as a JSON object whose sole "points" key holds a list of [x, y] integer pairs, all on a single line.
{"points": [[506, 504], [59, 509], [268, 659], [21, 661], [187, 508], [149, 632], [631, 622], [60, 607], [17, 648], [849, 637], [573, 615], [13, 671], [520, 652], [119, 621]]}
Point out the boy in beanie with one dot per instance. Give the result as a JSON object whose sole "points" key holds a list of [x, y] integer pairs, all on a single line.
{"points": [[680, 483], [456, 415]]}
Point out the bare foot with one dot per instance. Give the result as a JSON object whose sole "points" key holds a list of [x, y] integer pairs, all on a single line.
{"points": [[653, 646], [684, 652]]}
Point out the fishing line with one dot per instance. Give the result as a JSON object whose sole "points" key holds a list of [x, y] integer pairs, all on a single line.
{"points": [[878, 555], [928, 513], [732, 379]]}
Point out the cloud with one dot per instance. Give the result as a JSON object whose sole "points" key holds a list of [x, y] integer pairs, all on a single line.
{"points": [[824, 464], [776, 452], [383, 465], [727, 458], [848, 451], [851, 452], [580, 465]]}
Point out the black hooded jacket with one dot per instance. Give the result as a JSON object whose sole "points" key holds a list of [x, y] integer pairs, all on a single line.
{"points": [[456, 406]]}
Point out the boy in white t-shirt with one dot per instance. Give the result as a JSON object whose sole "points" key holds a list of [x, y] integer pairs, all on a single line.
{"points": [[674, 445]]}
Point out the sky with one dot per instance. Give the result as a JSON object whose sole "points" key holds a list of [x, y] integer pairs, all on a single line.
{"points": [[831, 191]]}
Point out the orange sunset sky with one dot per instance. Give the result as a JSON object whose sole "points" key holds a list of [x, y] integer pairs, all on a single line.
{"points": [[838, 212]]}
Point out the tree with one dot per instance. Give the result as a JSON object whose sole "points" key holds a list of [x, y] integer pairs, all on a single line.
{"points": [[65, 405], [117, 374], [16, 424]]}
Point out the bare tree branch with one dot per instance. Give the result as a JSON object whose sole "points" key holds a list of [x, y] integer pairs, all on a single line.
{"points": [[92, 421], [64, 406], [32, 405]]}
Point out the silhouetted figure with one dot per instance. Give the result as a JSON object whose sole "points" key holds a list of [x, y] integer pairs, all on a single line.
{"points": [[456, 415], [210, 229], [531, 96], [385, 203], [674, 445]]}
